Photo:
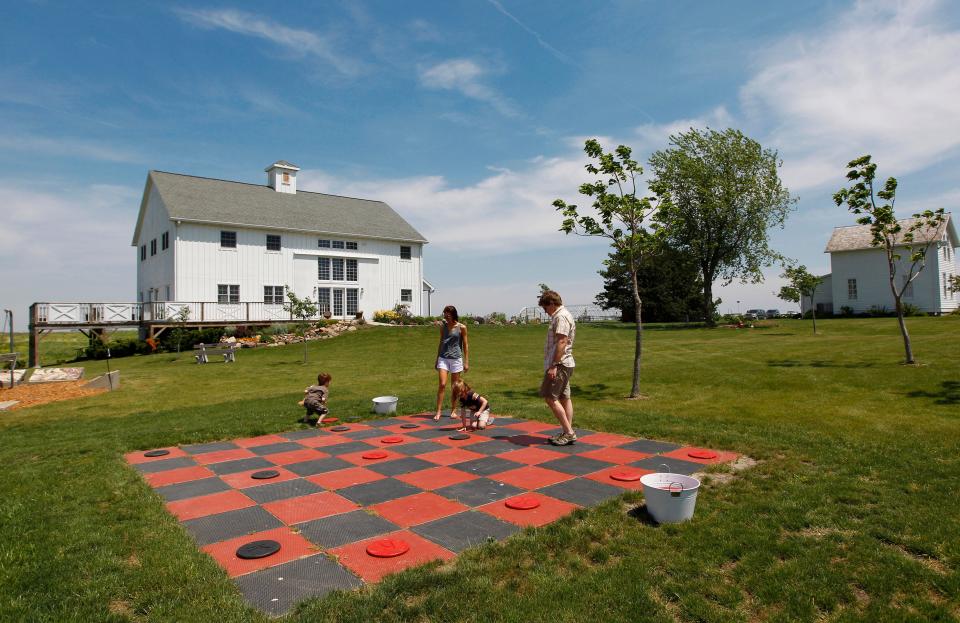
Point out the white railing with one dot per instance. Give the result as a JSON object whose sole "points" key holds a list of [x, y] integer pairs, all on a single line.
{"points": [[160, 311], [87, 313], [582, 313]]}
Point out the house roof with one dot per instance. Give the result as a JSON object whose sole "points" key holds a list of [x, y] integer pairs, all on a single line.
{"points": [[205, 200], [283, 164], [857, 237]]}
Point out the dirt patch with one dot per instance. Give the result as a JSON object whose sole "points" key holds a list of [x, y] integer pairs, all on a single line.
{"points": [[33, 395]]}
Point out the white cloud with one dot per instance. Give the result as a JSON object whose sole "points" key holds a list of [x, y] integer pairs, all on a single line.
{"points": [[883, 80], [467, 77], [67, 147], [295, 41]]}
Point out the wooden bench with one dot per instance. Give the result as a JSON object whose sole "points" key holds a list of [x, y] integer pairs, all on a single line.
{"points": [[10, 358], [228, 352]]}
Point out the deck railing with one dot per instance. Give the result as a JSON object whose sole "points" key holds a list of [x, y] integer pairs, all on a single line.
{"points": [[67, 314]]}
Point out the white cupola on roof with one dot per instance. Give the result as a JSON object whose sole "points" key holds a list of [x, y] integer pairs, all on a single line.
{"points": [[282, 176]]}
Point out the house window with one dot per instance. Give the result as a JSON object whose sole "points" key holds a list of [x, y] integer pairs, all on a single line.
{"points": [[337, 302], [273, 295], [323, 299], [337, 244], [946, 286], [286, 178], [273, 242], [228, 293], [404, 252], [323, 268], [852, 289], [352, 301], [143, 252], [323, 244], [352, 246], [351, 270], [153, 247], [406, 296], [228, 240], [165, 241], [907, 288], [337, 263]]}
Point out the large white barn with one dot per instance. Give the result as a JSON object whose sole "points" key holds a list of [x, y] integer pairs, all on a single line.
{"points": [[237, 244], [859, 277]]}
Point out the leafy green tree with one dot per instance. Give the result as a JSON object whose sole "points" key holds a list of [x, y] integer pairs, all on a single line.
{"points": [[801, 284], [668, 281], [915, 237], [304, 309], [719, 194], [620, 216], [180, 331], [953, 282]]}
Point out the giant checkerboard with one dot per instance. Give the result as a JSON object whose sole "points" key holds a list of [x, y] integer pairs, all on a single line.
{"points": [[329, 500]]}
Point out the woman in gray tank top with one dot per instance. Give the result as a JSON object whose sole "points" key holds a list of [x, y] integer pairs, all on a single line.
{"points": [[453, 355]]}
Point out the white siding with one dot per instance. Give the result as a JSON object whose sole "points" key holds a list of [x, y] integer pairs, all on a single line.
{"points": [[823, 295], [869, 268], [201, 264], [946, 268], [156, 271]]}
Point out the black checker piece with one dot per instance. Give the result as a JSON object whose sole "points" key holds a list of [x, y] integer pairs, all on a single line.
{"points": [[192, 489], [282, 490], [463, 530], [479, 491], [674, 466], [486, 466], [345, 528], [318, 466], [165, 465], [277, 589], [378, 491], [275, 448], [240, 465], [223, 526], [400, 466]]}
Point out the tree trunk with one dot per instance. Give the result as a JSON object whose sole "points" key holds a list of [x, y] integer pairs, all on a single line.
{"points": [[907, 348], [304, 347], [813, 313], [638, 350], [708, 303]]}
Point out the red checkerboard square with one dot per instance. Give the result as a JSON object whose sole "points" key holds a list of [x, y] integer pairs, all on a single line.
{"points": [[223, 455], [436, 477], [243, 480], [604, 476], [345, 478], [354, 556], [209, 505], [307, 507], [606, 439], [550, 510], [684, 455], [292, 546], [136, 458], [615, 455], [324, 440], [357, 457], [295, 456], [175, 476], [451, 456], [532, 456], [417, 509], [262, 440], [530, 477], [531, 427]]}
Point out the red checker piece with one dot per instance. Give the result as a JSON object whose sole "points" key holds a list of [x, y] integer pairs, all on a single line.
{"points": [[392, 440], [522, 503], [388, 548], [700, 453], [330, 420], [376, 454], [626, 475]]}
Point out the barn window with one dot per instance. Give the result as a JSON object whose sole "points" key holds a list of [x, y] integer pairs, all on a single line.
{"points": [[404, 252], [165, 241], [228, 239], [338, 244], [323, 244], [153, 247], [228, 293], [852, 289], [286, 177], [351, 270], [273, 295], [351, 246], [406, 296], [273, 242], [143, 252]]}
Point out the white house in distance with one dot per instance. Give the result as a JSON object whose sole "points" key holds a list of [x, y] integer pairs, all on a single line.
{"points": [[859, 277], [202, 240]]}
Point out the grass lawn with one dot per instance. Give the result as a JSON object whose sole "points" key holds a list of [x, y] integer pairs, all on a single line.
{"points": [[853, 513]]}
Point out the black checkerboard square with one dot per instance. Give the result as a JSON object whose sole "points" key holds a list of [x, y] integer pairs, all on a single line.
{"points": [[306, 433], [576, 465], [282, 490], [486, 466], [192, 489], [345, 528], [154, 467], [346, 448], [318, 466], [649, 446], [277, 589], [223, 526], [492, 447], [240, 465], [366, 433], [418, 447], [400, 466], [427, 433], [674, 466], [378, 491], [275, 448], [204, 448], [582, 491], [463, 530], [479, 491], [385, 422]]}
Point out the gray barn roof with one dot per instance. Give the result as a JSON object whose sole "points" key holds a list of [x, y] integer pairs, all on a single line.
{"points": [[205, 200], [858, 237]]}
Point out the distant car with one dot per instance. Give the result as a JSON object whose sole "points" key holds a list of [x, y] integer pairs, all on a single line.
{"points": [[755, 314], [773, 313]]}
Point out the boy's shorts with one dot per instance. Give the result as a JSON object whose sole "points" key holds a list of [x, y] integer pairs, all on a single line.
{"points": [[557, 387]]}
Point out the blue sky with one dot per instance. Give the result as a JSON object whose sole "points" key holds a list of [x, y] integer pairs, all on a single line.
{"points": [[467, 116]]}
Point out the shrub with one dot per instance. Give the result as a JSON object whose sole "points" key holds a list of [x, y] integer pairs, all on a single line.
{"points": [[191, 338], [230, 331], [123, 347], [386, 315], [846, 311], [912, 310]]}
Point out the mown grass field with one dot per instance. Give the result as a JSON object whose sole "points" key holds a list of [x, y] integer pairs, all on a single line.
{"points": [[851, 515]]}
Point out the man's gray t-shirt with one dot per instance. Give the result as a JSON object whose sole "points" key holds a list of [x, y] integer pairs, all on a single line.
{"points": [[561, 323]]}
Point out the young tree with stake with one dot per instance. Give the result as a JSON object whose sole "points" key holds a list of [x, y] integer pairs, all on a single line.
{"points": [[304, 309], [802, 284]]}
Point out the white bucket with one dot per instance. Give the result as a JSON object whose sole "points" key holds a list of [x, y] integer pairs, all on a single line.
{"points": [[670, 497], [385, 404]]}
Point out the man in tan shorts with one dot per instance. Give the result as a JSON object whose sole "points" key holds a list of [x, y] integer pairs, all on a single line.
{"points": [[558, 365]]}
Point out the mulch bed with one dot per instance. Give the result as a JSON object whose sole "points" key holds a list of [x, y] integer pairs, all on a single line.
{"points": [[31, 395]]}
